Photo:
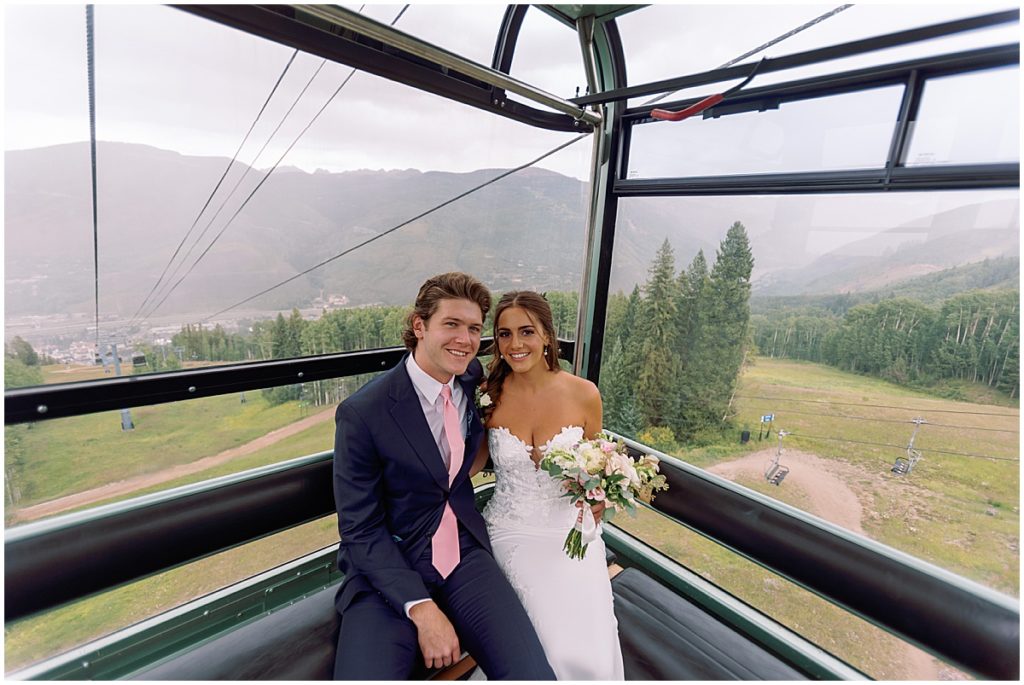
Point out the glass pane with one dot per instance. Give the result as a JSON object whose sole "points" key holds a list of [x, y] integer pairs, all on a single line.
{"points": [[704, 37], [841, 319], [62, 465], [469, 30], [548, 56], [872, 650], [54, 632], [175, 96], [850, 131], [954, 127]]}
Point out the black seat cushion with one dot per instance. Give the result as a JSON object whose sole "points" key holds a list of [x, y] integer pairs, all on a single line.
{"points": [[666, 637], [297, 642]]}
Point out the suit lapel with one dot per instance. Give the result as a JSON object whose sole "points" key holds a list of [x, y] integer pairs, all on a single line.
{"points": [[408, 415]]}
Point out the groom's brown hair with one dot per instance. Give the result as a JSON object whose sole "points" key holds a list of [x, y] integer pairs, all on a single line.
{"points": [[453, 285]]}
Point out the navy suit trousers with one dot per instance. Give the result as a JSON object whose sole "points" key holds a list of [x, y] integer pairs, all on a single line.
{"points": [[377, 642]]}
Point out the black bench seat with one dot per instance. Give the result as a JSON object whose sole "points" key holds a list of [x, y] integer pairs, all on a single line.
{"points": [[666, 637], [663, 637]]}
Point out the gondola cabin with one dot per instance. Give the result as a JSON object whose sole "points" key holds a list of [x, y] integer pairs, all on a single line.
{"points": [[803, 213]]}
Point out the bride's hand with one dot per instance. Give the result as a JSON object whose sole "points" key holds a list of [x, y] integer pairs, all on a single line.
{"points": [[597, 509]]}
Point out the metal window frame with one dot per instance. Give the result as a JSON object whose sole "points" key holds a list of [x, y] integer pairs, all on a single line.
{"points": [[312, 29], [891, 175], [45, 402]]}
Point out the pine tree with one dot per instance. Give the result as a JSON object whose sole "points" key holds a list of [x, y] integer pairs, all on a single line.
{"points": [[694, 290], [657, 326], [620, 412], [729, 315]]}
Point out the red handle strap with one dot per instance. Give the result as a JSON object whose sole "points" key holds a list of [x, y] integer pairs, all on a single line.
{"points": [[697, 108]]}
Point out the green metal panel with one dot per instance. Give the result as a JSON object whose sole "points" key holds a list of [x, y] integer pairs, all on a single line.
{"points": [[166, 635]]}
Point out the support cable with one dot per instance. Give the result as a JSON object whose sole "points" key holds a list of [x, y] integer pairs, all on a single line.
{"points": [[433, 209], [765, 46], [881, 406], [899, 447], [91, 74], [264, 179], [234, 157], [881, 420], [244, 175]]}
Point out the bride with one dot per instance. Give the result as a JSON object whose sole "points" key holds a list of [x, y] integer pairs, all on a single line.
{"points": [[536, 405]]}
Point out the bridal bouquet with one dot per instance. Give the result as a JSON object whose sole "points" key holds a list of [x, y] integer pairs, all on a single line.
{"points": [[600, 470]]}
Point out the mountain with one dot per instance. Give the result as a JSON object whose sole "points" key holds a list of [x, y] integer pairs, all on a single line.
{"points": [[524, 231], [962, 235]]}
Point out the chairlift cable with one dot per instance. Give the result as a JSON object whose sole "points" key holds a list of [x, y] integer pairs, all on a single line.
{"points": [[881, 420], [264, 179], [797, 434], [507, 172], [880, 406], [765, 46], [245, 174], [227, 169], [91, 73]]}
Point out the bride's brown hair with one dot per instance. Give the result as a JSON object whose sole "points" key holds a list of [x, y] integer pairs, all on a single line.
{"points": [[538, 309]]}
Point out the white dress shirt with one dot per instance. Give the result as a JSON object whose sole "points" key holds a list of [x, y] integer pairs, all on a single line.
{"points": [[428, 390]]}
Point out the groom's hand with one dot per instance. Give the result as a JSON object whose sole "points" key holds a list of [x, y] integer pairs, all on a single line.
{"points": [[438, 641]]}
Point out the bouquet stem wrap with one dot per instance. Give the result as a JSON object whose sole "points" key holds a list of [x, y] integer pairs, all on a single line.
{"points": [[582, 534]]}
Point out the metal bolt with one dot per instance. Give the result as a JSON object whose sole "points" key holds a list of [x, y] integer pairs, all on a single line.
{"points": [[85, 664], [42, 409], [191, 388], [206, 613], [383, 363], [301, 374]]}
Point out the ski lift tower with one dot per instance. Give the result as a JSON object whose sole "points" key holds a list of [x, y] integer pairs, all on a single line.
{"points": [[776, 472], [110, 343]]}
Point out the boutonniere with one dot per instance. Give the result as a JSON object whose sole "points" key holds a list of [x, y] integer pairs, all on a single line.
{"points": [[482, 399]]}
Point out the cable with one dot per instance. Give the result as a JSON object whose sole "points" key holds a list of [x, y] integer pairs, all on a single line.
{"points": [[500, 176], [91, 73], [870, 418], [265, 177], [231, 193], [878, 406], [899, 447], [216, 187], [765, 46]]}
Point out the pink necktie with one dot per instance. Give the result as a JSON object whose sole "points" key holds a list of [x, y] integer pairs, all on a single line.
{"points": [[445, 545]]}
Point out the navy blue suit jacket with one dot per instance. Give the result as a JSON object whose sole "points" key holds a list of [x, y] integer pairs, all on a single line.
{"points": [[391, 485]]}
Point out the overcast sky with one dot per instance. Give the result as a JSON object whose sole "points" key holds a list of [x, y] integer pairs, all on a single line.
{"points": [[172, 80]]}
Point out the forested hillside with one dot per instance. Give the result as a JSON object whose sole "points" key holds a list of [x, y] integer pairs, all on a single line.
{"points": [[972, 336]]}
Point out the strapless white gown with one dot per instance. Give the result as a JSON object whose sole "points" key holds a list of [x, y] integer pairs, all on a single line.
{"points": [[568, 600]]}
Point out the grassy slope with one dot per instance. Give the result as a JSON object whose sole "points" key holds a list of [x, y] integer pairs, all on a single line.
{"points": [[70, 455]]}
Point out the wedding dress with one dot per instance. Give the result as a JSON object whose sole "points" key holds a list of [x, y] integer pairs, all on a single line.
{"points": [[569, 601]]}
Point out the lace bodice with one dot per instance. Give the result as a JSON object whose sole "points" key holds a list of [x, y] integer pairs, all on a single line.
{"points": [[524, 495]]}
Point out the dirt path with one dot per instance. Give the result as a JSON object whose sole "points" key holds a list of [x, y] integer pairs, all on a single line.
{"points": [[826, 484], [129, 485]]}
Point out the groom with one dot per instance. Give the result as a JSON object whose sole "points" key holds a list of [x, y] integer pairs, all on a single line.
{"points": [[419, 575]]}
